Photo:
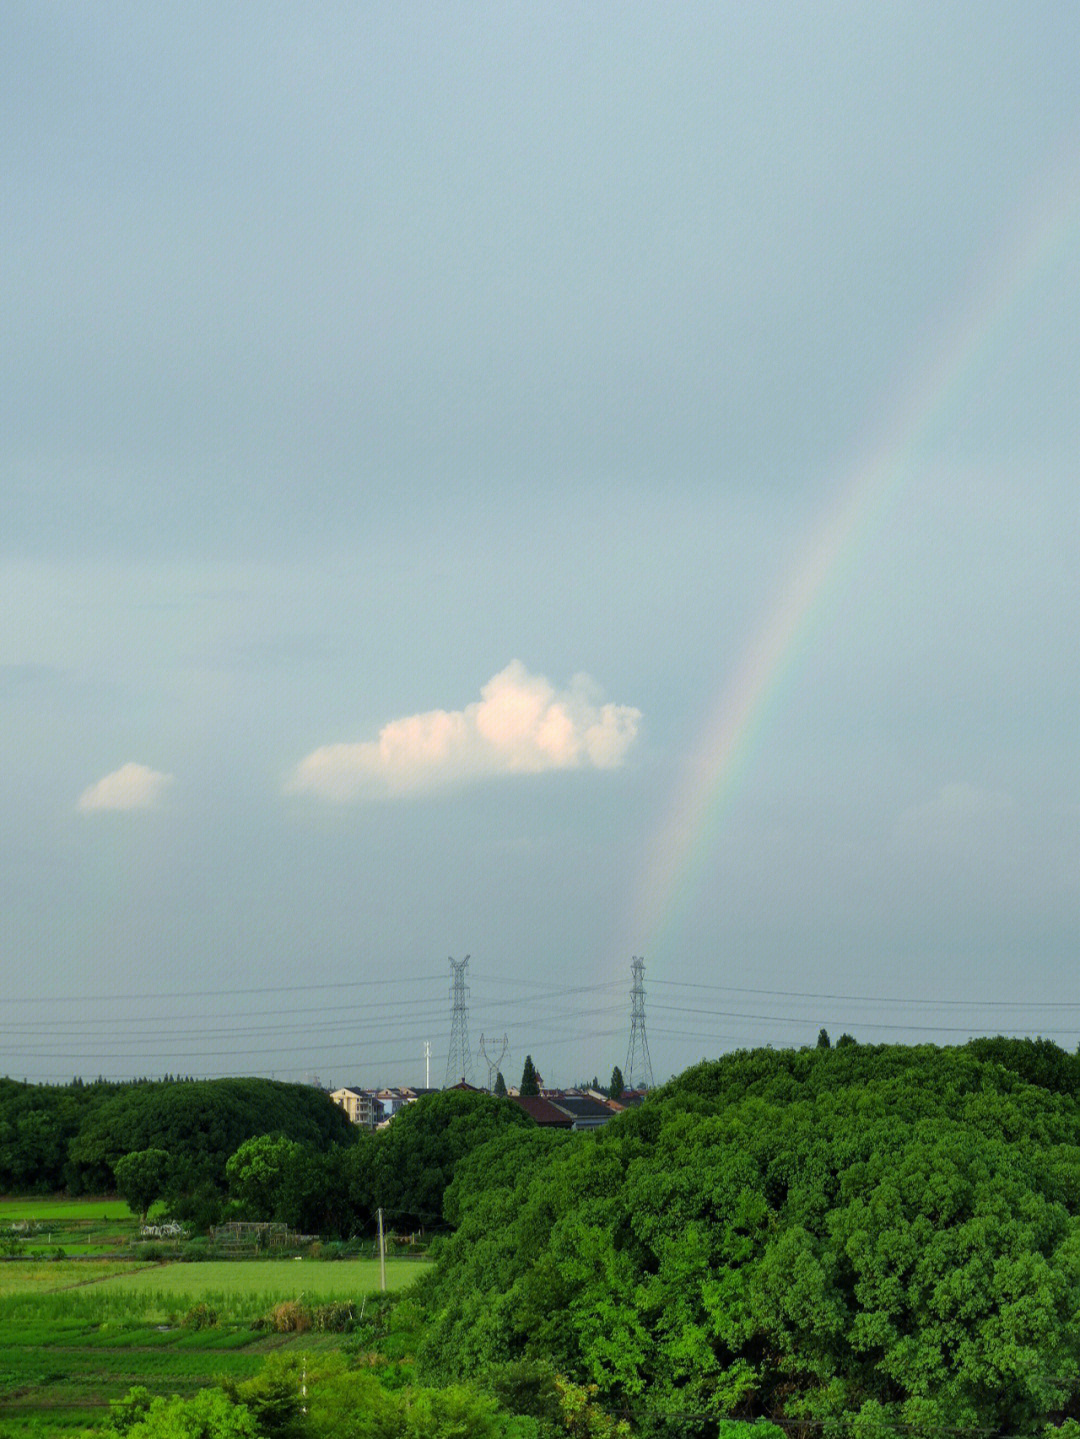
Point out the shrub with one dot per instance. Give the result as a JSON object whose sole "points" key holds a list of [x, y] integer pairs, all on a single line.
{"points": [[200, 1316], [289, 1317]]}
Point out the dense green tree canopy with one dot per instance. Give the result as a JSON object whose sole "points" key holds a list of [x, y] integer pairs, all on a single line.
{"points": [[201, 1123], [883, 1235], [416, 1156], [71, 1137], [257, 1171]]}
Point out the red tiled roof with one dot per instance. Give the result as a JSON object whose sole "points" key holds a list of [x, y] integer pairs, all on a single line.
{"points": [[542, 1110]]}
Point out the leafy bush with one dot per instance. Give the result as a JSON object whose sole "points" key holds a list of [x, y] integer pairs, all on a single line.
{"points": [[289, 1317], [337, 1317], [200, 1316]]}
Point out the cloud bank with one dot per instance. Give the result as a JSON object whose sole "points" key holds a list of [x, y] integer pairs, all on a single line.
{"points": [[520, 725], [132, 786]]}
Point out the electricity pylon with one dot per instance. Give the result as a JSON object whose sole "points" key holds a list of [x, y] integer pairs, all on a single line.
{"points": [[639, 1073], [494, 1065], [459, 1060]]}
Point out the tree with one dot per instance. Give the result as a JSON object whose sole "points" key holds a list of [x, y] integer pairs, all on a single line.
{"points": [[823, 1039], [530, 1080], [875, 1231], [142, 1177], [616, 1087], [256, 1173], [416, 1156], [210, 1414], [500, 1085]]}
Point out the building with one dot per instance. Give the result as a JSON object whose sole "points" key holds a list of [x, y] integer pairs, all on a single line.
{"points": [[359, 1105], [546, 1114], [584, 1111]]}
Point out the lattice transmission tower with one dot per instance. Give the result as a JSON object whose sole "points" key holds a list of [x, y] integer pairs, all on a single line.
{"points": [[493, 1065], [459, 1060], [639, 1073]]}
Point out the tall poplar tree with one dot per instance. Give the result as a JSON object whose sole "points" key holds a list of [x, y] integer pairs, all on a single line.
{"points": [[530, 1080]]}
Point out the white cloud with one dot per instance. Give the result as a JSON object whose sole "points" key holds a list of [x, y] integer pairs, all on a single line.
{"points": [[520, 725], [132, 786]]}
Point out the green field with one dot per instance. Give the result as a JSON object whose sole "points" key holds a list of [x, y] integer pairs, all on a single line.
{"points": [[23, 1209], [283, 1278], [76, 1333], [38, 1226]]}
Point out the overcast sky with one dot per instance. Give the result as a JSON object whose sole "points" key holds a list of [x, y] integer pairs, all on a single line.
{"points": [[551, 483]]}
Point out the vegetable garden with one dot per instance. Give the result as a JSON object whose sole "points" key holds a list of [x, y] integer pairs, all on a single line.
{"points": [[77, 1333]]}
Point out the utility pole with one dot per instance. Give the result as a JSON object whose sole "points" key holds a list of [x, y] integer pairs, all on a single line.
{"points": [[458, 1061], [639, 1073], [427, 1064], [493, 1065], [382, 1255]]}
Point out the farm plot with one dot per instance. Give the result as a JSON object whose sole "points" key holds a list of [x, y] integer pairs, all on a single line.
{"points": [[236, 1281], [32, 1226], [66, 1351]]}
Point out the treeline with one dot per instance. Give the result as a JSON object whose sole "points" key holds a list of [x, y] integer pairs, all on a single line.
{"points": [[243, 1149], [69, 1138], [878, 1240], [403, 1170]]}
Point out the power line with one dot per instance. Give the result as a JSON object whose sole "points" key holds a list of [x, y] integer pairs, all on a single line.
{"points": [[876, 999], [216, 993], [801, 1019]]}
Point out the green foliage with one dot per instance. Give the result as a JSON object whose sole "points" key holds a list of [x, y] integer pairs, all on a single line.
{"points": [[530, 1084], [142, 1177], [57, 1137], [498, 1165], [616, 1087], [256, 1170], [884, 1236], [500, 1085], [417, 1155], [129, 1410], [273, 1397], [320, 1396], [201, 1124], [210, 1414], [327, 1192]]}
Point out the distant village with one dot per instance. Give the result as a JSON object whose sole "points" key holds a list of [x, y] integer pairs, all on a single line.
{"points": [[552, 1108]]}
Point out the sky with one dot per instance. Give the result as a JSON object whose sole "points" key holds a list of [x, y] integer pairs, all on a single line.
{"points": [[548, 483]]}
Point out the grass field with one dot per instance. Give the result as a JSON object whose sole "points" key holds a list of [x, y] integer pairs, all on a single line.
{"points": [[23, 1209], [285, 1278], [39, 1226]]}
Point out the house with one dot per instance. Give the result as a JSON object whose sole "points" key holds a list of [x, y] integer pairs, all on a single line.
{"points": [[359, 1104], [546, 1114], [584, 1111]]}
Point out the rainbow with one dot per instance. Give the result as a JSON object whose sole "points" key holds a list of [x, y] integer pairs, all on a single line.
{"points": [[962, 348]]}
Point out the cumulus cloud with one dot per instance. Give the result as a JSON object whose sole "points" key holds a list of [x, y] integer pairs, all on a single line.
{"points": [[132, 786], [520, 725]]}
